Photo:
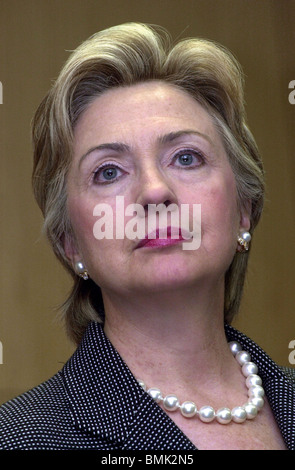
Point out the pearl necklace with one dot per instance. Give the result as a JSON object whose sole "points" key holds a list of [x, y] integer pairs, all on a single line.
{"points": [[238, 414]]}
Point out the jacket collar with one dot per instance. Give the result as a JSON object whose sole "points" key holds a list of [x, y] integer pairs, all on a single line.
{"points": [[93, 380], [106, 399]]}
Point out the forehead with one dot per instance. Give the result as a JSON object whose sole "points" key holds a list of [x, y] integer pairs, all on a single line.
{"points": [[149, 109]]}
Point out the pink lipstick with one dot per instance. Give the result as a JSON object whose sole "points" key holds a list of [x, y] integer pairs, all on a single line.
{"points": [[153, 240]]}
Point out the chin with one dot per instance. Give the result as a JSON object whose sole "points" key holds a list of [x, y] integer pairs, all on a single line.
{"points": [[169, 279]]}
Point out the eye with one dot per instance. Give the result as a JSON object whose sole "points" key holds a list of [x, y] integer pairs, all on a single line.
{"points": [[106, 174], [189, 158], [185, 159]]}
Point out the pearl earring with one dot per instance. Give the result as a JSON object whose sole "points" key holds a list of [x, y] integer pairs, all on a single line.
{"points": [[244, 241], [81, 270]]}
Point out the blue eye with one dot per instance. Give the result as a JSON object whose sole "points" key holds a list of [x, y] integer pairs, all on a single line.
{"points": [[109, 173], [185, 159], [189, 158], [106, 174]]}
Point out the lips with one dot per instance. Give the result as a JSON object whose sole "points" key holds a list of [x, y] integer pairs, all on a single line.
{"points": [[153, 239]]}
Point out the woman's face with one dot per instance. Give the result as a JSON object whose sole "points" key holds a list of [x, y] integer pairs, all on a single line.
{"points": [[150, 143]]}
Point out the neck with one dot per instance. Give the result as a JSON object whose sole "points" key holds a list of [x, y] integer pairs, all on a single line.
{"points": [[170, 337]]}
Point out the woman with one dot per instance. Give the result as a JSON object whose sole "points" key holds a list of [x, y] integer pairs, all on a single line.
{"points": [[133, 119]]}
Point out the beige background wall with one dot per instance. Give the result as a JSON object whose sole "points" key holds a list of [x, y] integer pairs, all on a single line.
{"points": [[35, 36]]}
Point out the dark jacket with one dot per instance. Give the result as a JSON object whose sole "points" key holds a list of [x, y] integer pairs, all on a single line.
{"points": [[95, 402]]}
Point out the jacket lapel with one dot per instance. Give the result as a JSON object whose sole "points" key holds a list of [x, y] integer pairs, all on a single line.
{"points": [[107, 401], [152, 429]]}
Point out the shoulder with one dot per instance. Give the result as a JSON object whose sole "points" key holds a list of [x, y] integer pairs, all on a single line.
{"points": [[32, 416], [289, 372]]}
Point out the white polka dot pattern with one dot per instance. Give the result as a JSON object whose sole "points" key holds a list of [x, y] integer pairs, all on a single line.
{"points": [[95, 402]]}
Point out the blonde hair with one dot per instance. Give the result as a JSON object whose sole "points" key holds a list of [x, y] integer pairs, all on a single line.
{"points": [[122, 56]]}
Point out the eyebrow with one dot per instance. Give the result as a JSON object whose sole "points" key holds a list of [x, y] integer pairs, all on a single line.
{"points": [[165, 139], [115, 146], [171, 136]]}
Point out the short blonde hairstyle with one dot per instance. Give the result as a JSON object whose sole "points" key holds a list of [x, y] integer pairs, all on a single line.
{"points": [[125, 55]]}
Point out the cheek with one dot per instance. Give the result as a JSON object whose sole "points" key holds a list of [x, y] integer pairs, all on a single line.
{"points": [[90, 222], [220, 207]]}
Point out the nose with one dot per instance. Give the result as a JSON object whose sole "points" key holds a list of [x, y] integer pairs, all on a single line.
{"points": [[155, 188]]}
